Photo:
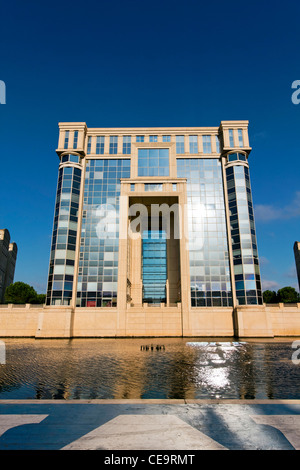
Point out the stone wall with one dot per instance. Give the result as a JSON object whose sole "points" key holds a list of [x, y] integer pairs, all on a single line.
{"points": [[38, 321]]}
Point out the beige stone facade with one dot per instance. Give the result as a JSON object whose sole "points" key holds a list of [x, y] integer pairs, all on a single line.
{"points": [[36, 321]]}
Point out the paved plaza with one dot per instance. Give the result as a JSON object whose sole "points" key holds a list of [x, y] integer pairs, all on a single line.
{"points": [[124, 425]]}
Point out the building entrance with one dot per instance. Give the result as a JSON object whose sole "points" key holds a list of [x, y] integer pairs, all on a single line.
{"points": [[153, 271]]}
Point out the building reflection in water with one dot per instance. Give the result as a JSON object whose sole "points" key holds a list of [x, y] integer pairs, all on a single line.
{"points": [[121, 368]]}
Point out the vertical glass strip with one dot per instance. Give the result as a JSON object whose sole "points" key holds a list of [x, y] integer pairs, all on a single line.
{"points": [[154, 266], [243, 236], [75, 141], [240, 137], [62, 256], [66, 142]]}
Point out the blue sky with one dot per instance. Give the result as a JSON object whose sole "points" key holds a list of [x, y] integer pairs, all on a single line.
{"points": [[159, 63]]}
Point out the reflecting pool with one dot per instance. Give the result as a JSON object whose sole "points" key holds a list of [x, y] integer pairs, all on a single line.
{"points": [[149, 368]]}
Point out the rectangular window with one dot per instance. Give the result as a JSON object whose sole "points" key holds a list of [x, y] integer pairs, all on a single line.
{"points": [[231, 142], [206, 139], [66, 143], [140, 138], [126, 144], [193, 139], [152, 138], [75, 141], [240, 136], [132, 187], [113, 144], [153, 162], [180, 144], [153, 187], [217, 144], [89, 145], [100, 145], [166, 138]]}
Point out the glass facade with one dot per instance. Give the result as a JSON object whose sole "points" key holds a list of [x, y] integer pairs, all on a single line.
{"points": [[208, 245], [62, 255], [154, 266], [99, 242], [94, 248], [244, 245], [153, 162]]}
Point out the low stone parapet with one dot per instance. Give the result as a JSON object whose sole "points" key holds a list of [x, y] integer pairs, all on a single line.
{"points": [[39, 321]]}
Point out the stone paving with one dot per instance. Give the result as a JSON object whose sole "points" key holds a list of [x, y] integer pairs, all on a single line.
{"points": [[149, 425]]}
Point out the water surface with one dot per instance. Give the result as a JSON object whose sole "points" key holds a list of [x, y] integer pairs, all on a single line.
{"points": [[149, 368]]}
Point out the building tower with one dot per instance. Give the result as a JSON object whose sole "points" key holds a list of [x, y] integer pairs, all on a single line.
{"points": [[297, 259], [8, 258]]}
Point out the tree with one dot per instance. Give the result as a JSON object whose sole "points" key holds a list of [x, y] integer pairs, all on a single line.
{"points": [[40, 299], [21, 293], [288, 295], [270, 297]]}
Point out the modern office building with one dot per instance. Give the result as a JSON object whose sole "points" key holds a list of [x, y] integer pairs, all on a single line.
{"points": [[297, 259], [8, 258], [154, 217]]}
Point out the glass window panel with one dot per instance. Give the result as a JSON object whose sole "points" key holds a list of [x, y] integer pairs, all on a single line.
{"points": [[100, 144], [153, 162], [193, 142], [206, 140], [231, 141], [113, 144], [180, 144], [207, 227], [240, 137], [75, 140], [66, 142], [126, 144], [89, 145]]}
